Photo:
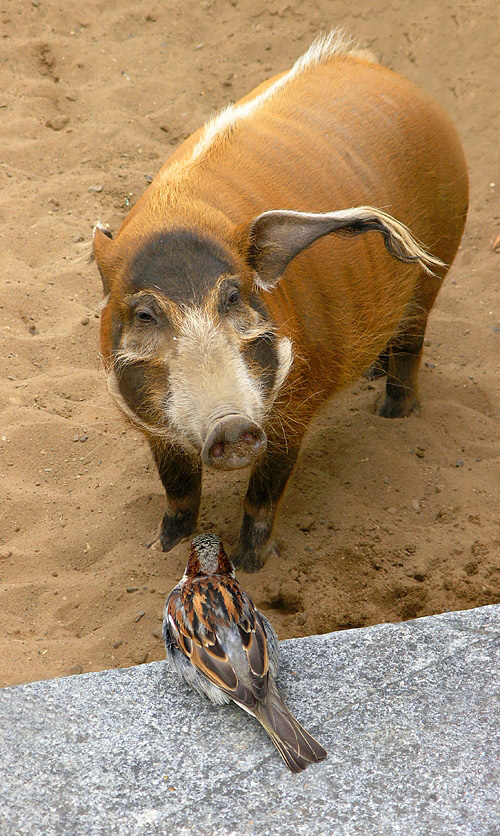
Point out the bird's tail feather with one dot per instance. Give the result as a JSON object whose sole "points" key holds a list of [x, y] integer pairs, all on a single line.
{"points": [[296, 746]]}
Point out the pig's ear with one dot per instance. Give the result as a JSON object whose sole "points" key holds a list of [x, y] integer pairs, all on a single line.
{"points": [[275, 238], [101, 254]]}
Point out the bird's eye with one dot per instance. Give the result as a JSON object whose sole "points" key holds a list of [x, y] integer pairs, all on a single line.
{"points": [[145, 316]]}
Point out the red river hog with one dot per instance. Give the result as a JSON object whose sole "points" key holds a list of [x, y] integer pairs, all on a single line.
{"points": [[274, 259]]}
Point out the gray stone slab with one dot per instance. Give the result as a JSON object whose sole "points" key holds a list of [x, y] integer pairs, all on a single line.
{"points": [[410, 715]]}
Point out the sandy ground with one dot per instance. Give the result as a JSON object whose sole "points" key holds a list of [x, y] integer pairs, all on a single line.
{"points": [[383, 520]]}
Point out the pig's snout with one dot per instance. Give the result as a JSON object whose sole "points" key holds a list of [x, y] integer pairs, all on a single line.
{"points": [[232, 442]]}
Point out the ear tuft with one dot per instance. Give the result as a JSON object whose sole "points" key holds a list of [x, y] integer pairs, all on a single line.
{"points": [[276, 237], [99, 226], [102, 252]]}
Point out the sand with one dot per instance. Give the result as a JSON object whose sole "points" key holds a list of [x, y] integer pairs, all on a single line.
{"points": [[383, 520]]}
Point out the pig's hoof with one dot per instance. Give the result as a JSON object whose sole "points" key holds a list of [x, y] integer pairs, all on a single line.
{"points": [[172, 531], [252, 562], [399, 407], [164, 544], [249, 560]]}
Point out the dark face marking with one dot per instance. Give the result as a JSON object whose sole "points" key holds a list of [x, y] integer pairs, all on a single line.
{"points": [[257, 304], [116, 332], [262, 352], [180, 263], [133, 388]]}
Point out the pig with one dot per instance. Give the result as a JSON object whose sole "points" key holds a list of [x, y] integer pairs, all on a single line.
{"points": [[268, 265]]}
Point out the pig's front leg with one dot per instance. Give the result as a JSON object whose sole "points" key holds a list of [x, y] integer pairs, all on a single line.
{"points": [[267, 482], [181, 477]]}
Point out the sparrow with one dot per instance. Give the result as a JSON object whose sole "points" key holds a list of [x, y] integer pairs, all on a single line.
{"points": [[222, 646]]}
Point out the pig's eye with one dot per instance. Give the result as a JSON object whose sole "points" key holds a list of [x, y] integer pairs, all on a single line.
{"points": [[145, 316], [232, 298]]}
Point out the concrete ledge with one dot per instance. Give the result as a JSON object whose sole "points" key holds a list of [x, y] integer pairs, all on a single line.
{"points": [[410, 714]]}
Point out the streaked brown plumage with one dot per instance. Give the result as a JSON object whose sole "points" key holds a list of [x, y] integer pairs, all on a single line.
{"points": [[227, 650]]}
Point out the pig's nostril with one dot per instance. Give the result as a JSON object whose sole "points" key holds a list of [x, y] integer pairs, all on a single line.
{"points": [[233, 441], [250, 439], [217, 450]]}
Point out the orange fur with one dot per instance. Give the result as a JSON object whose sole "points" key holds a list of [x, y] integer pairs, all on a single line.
{"points": [[354, 133], [336, 131]]}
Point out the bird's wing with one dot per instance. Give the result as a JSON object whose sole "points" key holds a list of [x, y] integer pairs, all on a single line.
{"points": [[212, 618]]}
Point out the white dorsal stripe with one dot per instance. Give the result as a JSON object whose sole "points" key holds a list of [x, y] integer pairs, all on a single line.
{"points": [[323, 48]]}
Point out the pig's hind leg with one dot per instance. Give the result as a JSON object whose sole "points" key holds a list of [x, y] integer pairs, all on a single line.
{"points": [[403, 354], [380, 367]]}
